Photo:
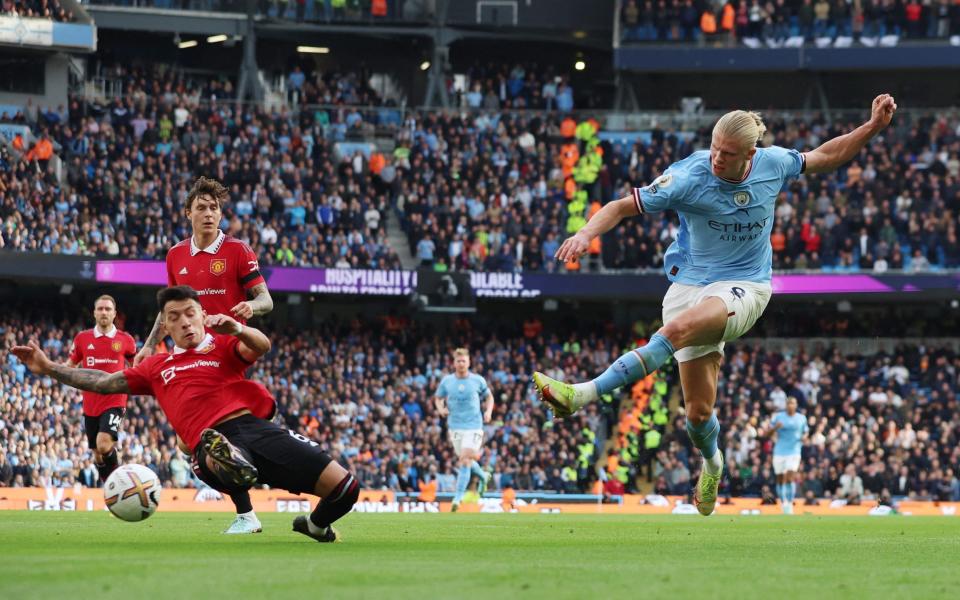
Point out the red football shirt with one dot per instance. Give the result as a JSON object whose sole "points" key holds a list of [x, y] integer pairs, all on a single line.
{"points": [[221, 273], [104, 352], [198, 387]]}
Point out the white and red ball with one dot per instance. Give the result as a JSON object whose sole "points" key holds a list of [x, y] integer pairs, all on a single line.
{"points": [[132, 492]]}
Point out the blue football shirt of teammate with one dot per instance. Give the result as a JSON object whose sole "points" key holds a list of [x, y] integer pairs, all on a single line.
{"points": [[789, 434], [463, 396]]}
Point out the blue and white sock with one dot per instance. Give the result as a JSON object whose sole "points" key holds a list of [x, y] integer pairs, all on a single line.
{"points": [[477, 470], [704, 436], [791, 489], [463, 480], [632, 366], [782, 493]]}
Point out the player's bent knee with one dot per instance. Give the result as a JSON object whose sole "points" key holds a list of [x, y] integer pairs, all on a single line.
{"points": [[699, 413], [330, 478], [104, 448], [676, 331]]}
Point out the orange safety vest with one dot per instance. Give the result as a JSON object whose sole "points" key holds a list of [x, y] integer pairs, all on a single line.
{"points": [[708, 22], [727, 18], [428, 491], [377, 162]]}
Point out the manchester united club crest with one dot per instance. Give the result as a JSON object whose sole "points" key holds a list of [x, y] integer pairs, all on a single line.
{"points": [[218, 266], [741, 198], [207, 350], [116, 346]]}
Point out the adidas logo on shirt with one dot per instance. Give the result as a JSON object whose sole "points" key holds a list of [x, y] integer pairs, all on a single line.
{"points": [[183, 271], [90, 347]]}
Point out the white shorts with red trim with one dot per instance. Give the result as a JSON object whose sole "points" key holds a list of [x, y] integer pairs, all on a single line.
{"points": [[745, 300]]}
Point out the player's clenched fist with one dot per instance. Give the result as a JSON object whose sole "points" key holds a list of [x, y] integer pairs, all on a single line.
{"points": [[222, 324], [243, 310], [573, 248], [882, 110]]}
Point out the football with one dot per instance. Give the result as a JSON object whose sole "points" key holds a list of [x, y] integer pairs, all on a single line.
{"points": [[132, 492]]}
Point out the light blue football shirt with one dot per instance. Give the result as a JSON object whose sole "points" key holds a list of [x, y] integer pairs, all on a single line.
{"points": [[463, 400], [790, 435], [724, 227]]}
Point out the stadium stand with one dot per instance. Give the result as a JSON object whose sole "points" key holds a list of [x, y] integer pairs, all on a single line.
{"points": [[129, 162], [774, 23], [37, 9], [311, 11], [503, 208], [891, 417], [495, 203]]}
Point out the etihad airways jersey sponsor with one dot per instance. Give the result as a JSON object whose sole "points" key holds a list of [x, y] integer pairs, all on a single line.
{"points": [[221, 273], [106, 352]]}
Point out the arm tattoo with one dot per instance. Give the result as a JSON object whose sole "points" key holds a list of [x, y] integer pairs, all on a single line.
{"points": [[262, 303], [154, 338], [90, 380]]}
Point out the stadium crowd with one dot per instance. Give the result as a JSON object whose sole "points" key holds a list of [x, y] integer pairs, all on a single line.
{"points": [[486, 192], [777, 20], [349, 11], [494, 86], [37, 9], [889, 422], [129, 164], [478, 190], [367, 395], [881, 426]]}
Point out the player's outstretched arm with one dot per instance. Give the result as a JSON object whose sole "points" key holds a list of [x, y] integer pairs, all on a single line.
{"points": [[150, 345], [253, 342], [841, 149], [90, 380], [606, 219]]}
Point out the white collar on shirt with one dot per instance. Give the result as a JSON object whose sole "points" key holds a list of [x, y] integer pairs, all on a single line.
{"points": [[110, 334], [206, 341], [211, 249]]}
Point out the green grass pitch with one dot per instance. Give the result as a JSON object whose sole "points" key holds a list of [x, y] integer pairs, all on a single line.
{"points": [[424, 556]]}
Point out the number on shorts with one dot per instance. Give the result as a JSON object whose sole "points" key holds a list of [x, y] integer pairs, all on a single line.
{"points": [[302, 438], [114, 421]]}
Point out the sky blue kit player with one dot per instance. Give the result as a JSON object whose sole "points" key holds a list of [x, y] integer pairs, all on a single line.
{"points": [[720, 265], [459, 397]]}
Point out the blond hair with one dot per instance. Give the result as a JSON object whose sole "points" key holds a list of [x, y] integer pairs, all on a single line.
{"points": [[461, 352], [744, 127]]}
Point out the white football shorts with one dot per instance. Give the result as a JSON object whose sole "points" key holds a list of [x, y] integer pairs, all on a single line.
{"points": [[784, 464], [463, 439], [745, 300]]}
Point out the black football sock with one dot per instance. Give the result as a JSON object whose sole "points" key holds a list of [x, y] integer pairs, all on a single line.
{"points": [[335, 505], [110, 462], [241, 499]]}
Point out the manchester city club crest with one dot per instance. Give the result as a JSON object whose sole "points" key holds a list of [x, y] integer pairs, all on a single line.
{"points": [[741, 198]]}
